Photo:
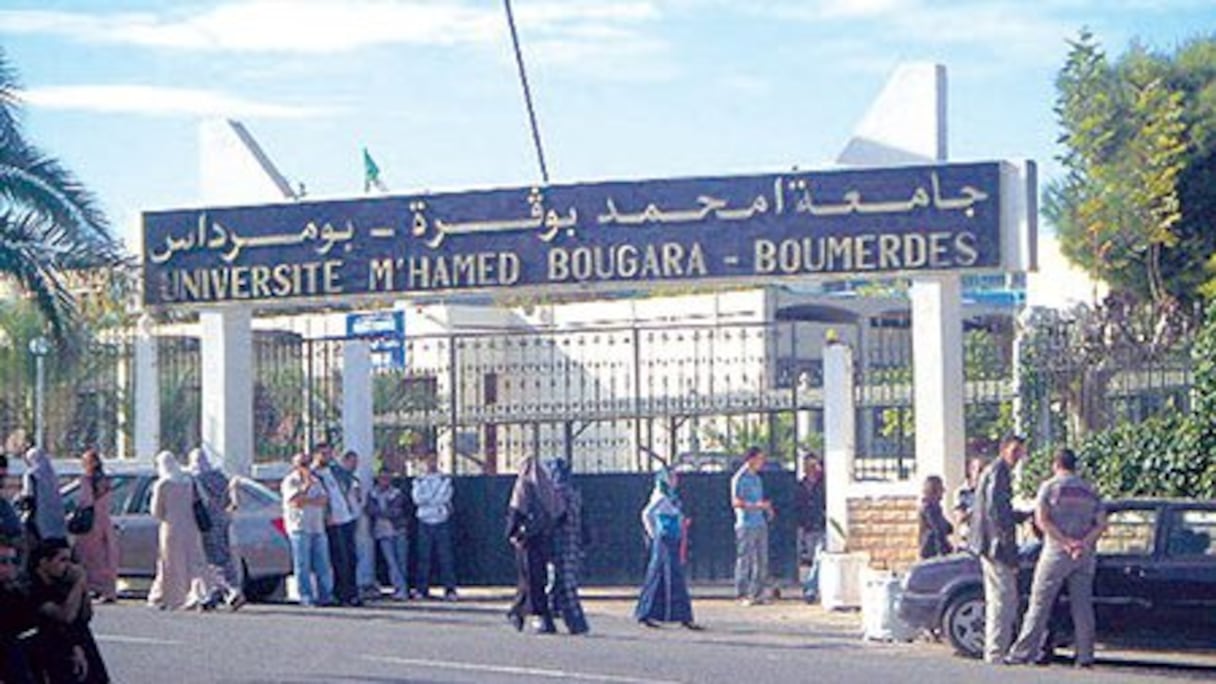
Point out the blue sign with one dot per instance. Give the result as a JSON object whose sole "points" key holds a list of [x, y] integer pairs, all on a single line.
{"points": [[602, 236], [386, 330]]}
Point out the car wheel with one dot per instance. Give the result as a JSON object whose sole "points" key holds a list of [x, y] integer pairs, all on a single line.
{"points": [[259, 588], [963, 623]]}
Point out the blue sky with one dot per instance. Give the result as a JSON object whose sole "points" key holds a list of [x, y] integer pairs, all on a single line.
{"points": [[623, 88]]}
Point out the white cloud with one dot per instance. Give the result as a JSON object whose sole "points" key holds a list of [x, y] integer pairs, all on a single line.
{"points": [[159, 101], [324, 26], [1004, 30]]}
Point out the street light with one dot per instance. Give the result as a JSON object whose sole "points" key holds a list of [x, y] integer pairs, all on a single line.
{"points": [[39, 347]]}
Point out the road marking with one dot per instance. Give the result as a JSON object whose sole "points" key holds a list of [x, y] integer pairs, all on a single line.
{"points": [[120, 639], [522, 671]]}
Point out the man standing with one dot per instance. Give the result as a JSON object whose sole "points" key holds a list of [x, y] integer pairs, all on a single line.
{"points": [[809, 511], [339, 527], [964, 499], [432, 495], [993, 538], [304, 503], [1069, 512], [752, 512], [347, 474]]}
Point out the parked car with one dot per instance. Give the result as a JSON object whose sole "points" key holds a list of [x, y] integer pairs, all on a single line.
{"points": [[259, 539], [1156, 577]]}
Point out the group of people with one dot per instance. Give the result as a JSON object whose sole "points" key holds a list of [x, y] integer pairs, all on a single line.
{"points": [[195, 566], [326, 512], [754, 513], [1068, 516], [545, 529], [45, 597]]}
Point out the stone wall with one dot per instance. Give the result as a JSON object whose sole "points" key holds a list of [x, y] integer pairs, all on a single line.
{"points": [[886, 528]]}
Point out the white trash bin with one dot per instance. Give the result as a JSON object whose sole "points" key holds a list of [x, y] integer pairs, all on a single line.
{"points": [[840, 579], [880, 607]]}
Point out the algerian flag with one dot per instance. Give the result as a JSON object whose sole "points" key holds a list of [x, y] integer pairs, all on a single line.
{"points": [[371, 174]]}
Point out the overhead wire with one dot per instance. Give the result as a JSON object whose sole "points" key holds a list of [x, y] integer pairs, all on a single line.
{"points": [[523, 80]]}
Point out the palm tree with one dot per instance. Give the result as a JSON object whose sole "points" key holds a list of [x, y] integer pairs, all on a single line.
{"points": [[49, 222]]}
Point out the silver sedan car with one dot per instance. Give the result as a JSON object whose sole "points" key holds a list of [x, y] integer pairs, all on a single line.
{"points": [[259, 540]]}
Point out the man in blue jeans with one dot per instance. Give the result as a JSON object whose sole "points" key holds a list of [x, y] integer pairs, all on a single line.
{"points": [[432, 495], [304, 501], [752, 512], [810, 515]]}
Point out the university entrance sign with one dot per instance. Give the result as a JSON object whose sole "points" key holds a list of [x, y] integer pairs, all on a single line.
{"points": [[945, 217]]}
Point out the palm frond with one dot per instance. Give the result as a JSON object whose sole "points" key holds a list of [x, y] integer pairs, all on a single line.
{"points": [[30, 181], [9, 102], [30, 254]]}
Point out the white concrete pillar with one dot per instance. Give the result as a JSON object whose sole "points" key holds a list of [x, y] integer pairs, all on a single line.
{"points": [[147, 391], [357, 433], [227, 379], [359, 436], [937, 359], [839, 436]]}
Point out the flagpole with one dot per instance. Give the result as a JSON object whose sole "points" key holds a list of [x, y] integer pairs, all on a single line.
{"points": [[523, 79]]}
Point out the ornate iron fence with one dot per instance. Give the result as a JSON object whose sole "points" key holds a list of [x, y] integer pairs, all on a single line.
{"points": [[611, 399]]}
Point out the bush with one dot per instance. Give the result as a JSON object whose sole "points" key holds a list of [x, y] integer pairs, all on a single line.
{"points": [[1168, 456]]}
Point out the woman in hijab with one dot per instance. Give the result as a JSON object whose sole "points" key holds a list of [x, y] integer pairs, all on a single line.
{"points": [[180, 563], [568, 550], [40, 497], [534, 512], [97, 548], [216, 492], [664, 592]]}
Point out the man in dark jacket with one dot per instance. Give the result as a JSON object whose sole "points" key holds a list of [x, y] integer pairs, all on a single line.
{"points": [[809, 513], [993, 538], [16, 618], [64, 649]]}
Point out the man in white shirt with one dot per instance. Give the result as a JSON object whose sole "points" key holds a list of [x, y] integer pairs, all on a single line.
{"points": [[432, 495], [304, 502]]}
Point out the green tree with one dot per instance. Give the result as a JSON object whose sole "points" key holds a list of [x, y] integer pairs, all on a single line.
{"points": [[49, 222], [774, 433], [1135, 204]]}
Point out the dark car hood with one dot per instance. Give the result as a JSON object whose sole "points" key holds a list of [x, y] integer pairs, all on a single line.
{"points": [[929, 576]]}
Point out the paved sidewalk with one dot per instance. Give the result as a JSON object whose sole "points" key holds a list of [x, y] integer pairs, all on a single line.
{"points": [[713, 605]]}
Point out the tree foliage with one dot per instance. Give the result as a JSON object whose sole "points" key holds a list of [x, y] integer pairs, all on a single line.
{"points": [[49, 222], [1136, 202]]}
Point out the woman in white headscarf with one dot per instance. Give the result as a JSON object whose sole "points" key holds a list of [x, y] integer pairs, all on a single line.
{"points": [[180, 563], [40, 495], [535, 510], [215, 490], [664, 595]]}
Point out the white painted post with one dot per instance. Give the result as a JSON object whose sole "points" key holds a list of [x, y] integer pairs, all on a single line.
{"points": [[937, 352], [839, 435], [358, 435], [147, 391], [227, 379]]}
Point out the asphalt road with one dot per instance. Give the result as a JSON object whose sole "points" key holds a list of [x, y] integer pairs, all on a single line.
{"points": [[432, 642]]}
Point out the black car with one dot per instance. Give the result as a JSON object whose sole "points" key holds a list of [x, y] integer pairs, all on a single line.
{"points": [[1155, 583]]}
